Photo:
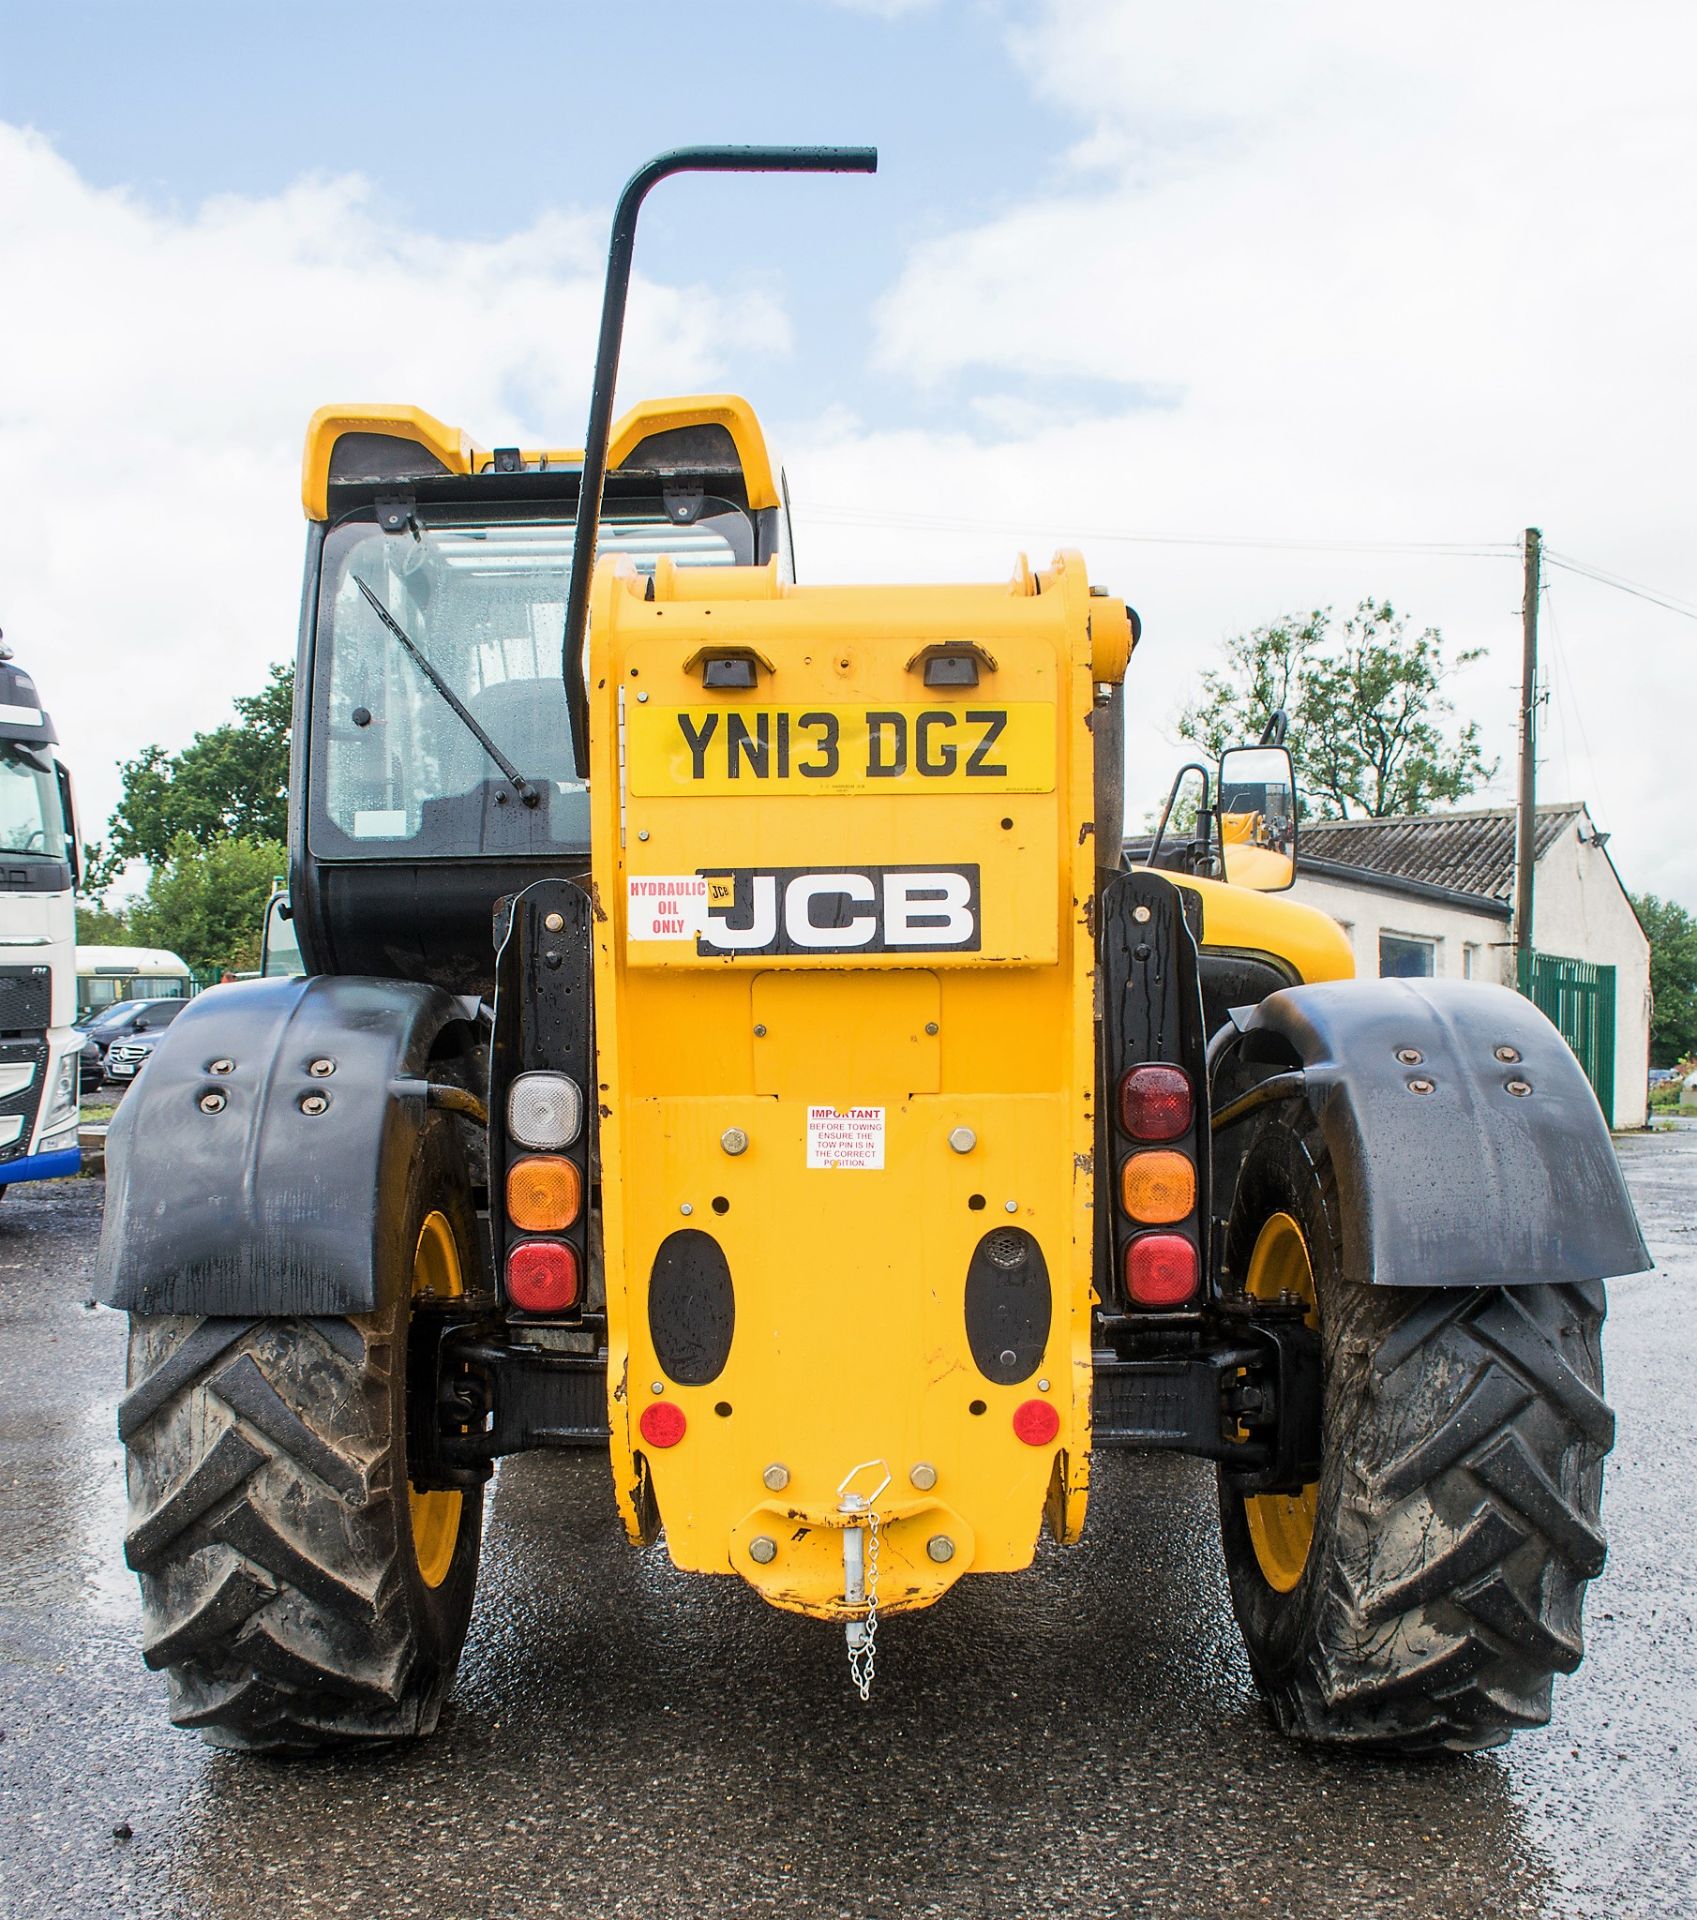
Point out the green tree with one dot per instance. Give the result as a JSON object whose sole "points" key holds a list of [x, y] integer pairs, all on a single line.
{"points": [[206, 901], [97, 927], [1368, 718], [230, 783], [1672, 933]]}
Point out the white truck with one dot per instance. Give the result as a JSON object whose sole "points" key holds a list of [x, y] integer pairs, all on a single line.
{"points": [[39, 863]]}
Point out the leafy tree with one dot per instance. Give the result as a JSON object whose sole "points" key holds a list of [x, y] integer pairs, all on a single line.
{"points": [[206, 901], [230, 783], [1672, 933], [96, 927], [1366, 705]]}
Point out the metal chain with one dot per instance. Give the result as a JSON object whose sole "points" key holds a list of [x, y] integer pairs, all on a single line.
{"points": [[863, 1655]]}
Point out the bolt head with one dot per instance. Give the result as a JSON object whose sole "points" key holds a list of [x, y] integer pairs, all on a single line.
{"points": [[1042, 1386], [940, 1547], [763, 1548], [923, 1475], [1140, 915], [221, 1066], [963, 1139], [642, 833], [314, 1103], [1508, 1055], [776, 1477], [760, 1033], [1422, 1086], [1012, 1206], [641, 699], [1008, 1357], [931, 1026], [687, 1207], [322, 1069], [554, 922], [734, 1140], [1519, 1088], [1410, 1056], [212, 1103]]}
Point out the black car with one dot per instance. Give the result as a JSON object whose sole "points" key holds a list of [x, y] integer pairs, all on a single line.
{"points": [[123, 1021]]}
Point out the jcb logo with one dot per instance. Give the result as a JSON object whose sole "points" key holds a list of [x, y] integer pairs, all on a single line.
{"points": [[792, 910], [812, 750]]}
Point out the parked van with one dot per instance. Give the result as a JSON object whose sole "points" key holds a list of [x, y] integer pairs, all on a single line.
{"points": [[105, 974]]}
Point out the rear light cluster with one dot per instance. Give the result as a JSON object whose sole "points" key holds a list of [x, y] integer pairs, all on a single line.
{"points": [[1158, 1187], [544, 1192]]}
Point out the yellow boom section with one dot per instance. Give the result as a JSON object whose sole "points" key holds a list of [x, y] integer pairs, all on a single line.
{"points": [[844, 1032]]}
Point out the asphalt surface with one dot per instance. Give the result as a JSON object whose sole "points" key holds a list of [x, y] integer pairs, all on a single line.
{"points": [[625, 1739]]}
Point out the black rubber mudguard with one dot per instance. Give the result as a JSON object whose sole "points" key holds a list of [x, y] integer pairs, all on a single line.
{"points": [[230, 1189], [1469, 1148]]}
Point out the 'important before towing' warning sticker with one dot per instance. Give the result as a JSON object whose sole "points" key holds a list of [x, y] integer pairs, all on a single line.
{"points": [[846, 1137]]}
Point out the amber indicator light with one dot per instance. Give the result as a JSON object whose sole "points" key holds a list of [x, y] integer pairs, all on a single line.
{"points": [[1158, 1187], [544, 1192]]}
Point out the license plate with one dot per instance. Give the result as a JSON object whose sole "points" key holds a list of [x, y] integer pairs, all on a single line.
{"points": [[1006, 747], [120, 1071]]}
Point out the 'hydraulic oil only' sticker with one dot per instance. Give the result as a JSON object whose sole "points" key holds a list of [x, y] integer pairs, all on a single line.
{"points": [[846, 1137]]}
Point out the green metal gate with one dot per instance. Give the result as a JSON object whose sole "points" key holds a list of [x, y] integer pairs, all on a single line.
{"points": [[1579, 998]]}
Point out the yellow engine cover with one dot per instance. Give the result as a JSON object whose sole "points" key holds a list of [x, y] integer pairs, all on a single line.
{"points": [[844, 1027]]}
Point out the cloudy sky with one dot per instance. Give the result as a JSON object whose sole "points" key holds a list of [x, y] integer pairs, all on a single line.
{"points": [[1265, 308]]}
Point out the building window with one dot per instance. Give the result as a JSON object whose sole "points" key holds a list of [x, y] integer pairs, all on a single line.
{"points": [[1401, 958], [1469, 960]]}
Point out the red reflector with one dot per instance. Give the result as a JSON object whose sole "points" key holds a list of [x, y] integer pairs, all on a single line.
{"points": [[1036, 1422], [1160, 1270], [542, 1276], [1155, 1103], [662, 1423]]}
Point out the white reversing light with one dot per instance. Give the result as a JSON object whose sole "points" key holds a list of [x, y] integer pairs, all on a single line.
{"points": [[544, 1110]]}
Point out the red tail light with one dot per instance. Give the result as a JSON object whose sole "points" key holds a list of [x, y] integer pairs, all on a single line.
{"points": [[1160, 1270], [662, 1423], [1036, 1422], [542, 1276], [1155, 1103]]}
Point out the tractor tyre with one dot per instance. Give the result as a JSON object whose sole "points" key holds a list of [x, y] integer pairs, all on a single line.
{"points": [[1423, 1593], [296, 1591]]}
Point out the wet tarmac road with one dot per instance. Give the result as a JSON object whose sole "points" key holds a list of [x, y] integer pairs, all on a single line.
{"points": [[625, 1739]]}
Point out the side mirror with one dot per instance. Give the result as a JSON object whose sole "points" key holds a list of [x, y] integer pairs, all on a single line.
{"points": [[1257, 815], [68, 809], [279, 945]]}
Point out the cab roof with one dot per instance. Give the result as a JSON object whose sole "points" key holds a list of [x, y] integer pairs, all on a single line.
{"points": [[352, 451]]}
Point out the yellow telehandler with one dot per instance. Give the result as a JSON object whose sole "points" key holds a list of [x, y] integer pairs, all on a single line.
{"points": [[731, 1037]]}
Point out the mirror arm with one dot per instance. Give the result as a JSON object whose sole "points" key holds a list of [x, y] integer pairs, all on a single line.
{"points": [[1278, 725], [1190, 766]]}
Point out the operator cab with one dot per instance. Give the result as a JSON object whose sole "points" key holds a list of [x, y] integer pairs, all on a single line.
{"points": [[435, 769]]}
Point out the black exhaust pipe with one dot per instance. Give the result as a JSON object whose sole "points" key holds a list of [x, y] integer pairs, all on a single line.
{"points": [[680, 160]]}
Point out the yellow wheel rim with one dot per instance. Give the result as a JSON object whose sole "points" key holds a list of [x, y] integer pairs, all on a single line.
{"points": [[435, 1516], [1281, 1526]]}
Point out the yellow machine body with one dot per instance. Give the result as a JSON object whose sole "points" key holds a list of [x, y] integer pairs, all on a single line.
{"points": [[925, 1078]]}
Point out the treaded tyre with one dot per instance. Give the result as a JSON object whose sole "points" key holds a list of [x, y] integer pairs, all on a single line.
{"points": [[295, 1590], [1423, 1593]]}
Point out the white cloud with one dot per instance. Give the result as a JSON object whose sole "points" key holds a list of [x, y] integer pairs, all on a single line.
{"points": [[1406, 275], [160, 369]]}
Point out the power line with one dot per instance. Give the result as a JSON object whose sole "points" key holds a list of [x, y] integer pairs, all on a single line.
{"points": [[940, 523], [1604, 578]]}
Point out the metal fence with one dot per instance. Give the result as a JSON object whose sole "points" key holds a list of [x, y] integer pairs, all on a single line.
{"points": [[1578, 997]]}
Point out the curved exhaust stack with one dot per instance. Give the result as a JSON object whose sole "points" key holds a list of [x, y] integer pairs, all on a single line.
{"points": [[620, 249]]}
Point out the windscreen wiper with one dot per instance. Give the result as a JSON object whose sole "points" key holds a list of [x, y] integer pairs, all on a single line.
{"points": [[520, 785]]}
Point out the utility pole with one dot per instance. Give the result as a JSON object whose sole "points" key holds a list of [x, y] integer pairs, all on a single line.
{"points": [[1526, 824]]}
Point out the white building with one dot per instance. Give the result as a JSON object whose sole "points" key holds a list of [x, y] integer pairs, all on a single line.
{"points": [[1432, 893]]}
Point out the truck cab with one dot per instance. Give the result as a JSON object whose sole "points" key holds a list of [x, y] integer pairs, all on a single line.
{"points": [[39, 1048]]}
